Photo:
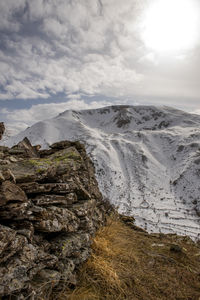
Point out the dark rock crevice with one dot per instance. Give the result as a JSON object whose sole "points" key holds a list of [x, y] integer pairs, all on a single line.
{"points": [[2, 129]]}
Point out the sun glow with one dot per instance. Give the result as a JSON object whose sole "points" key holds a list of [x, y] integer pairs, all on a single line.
{"points": [[171, 25]]}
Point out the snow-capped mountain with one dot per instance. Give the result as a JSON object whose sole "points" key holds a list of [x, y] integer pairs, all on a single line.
{"points": [[147, 160]]}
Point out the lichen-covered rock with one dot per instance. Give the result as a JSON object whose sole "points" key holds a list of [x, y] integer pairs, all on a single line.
{"points": [[54, 219], [19, 269], [25, 149], [68, 245], [50, 205], [10, 192], [2, 178], [48, 199]]}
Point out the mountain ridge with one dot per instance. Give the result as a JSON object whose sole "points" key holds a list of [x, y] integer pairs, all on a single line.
{"points": [[146, 159]]}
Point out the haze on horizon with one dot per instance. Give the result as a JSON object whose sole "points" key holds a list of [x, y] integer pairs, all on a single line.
{"points": [[61, 54]]}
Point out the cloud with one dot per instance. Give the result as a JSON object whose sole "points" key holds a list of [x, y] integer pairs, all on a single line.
{"points": [[8, 9], [63, 46], [93, 47]]}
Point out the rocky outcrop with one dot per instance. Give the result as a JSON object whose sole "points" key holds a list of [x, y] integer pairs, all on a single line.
{"points": [[2, 129], [50, 206]]}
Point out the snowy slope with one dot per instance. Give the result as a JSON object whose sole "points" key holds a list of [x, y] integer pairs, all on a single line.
{"points": [[147, 160]]}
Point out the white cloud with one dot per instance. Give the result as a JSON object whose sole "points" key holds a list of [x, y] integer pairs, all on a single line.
{"points": [[65, 47], [89, 46], [54, 27], [7, 9]]}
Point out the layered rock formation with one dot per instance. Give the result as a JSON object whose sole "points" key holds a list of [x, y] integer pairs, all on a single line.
{"points": [[2, 129], [50, 205]]}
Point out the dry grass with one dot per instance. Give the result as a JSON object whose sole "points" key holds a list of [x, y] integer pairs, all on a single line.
{"points": [[128, 264]]}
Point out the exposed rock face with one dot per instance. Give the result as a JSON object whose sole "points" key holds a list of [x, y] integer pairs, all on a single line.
{"points": [[2, 129], [50, 205]]}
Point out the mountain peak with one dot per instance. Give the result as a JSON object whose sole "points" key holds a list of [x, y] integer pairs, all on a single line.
{"points": [[146, 160]]}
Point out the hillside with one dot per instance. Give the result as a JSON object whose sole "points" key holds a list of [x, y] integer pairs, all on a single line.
{"points": [[147, 160]]}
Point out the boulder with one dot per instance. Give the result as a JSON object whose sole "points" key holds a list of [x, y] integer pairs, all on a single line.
{"points": [[25, 149]]}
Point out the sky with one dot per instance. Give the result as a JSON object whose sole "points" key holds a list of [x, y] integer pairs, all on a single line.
{"points": [[78, 54]]}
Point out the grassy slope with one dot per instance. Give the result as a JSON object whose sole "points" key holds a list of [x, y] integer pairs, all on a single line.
{"points": [[130, 264]]}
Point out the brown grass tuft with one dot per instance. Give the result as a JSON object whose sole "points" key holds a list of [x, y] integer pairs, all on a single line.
{"points": [[133, 265]]}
